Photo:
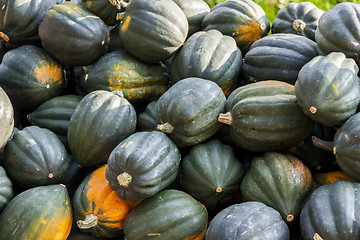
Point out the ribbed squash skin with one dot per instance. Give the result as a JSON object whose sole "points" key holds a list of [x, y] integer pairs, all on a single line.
{"points": [[339, 30], [195, 11], [166, 24], [244, 20], [333, 212], [191, 107], [346, 147], [170, 214], [148, 120], [35, 156], [73, 35], [30, 76], [297, 18], [105, 9], [280, 181], [249, 220], [328, 89], [6, 189], [54, 114], [150, 162], [6, 118], [94, 197], [211, 173], [139, 81], [100, 121], [38, 213], [13, 32], [209, 55], [278, 57], [266, 117]]}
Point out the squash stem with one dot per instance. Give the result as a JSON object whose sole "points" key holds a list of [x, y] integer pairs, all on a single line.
{"points": [[165, 127], [317, 237], [325, 145], [289, 218], [89, 222], [4, 36], [299, 25], [225, 118], [124, 179]]}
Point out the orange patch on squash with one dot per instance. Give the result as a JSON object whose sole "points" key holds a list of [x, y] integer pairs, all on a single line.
{"points": [[247, 33], [125, 23], [49, 74]]}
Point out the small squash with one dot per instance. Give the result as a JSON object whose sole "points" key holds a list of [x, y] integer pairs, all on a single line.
{"points": [[147, 120], [6, 189], [107, 10], [97, 209]]}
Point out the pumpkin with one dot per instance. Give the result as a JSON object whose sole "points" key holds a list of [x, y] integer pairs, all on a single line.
{"points": [[73, 35], [297, 18], [42, 212], [248, 220], [168, 24], [332, 212], [139, 81], [265, 116], [97, 209], [35, 156], [243, 20], [209, 55], [336, 33], [30, 76], [6, 118], [6, 189], [170, 214], [101, 120], [13, 32], [211, 173], [328, 89], [54, 114], [107, 10], [188, 111], [280, 181], [147, 119], [278, 57], [142, 165]]}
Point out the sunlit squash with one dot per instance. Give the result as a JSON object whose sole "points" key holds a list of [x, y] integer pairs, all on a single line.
{"points": [[97, 209], [43, 212], [6, 118]]}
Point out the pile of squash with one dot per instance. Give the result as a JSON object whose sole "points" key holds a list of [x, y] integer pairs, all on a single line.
{"points": [[168, 120]]}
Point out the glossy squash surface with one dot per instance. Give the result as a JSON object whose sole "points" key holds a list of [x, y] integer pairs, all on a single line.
{"points": [[6, 118]]}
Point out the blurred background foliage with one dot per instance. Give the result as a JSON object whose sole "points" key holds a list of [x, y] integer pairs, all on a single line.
{"points": [[271, 7]]}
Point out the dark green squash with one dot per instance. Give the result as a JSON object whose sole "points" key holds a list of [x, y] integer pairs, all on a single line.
{"points": [[188, 111], [35, 156], [170, 214], [332, 212], [211, 173], [6, 118], [99, 123], [115, 42], [278, 57], [139, 81], [30, 76], [107, 10], [248, 220], [209, 55], [297, 18], [337, 33], [166, 29], [280, 181], [54, 114], [38, 213], [243, 20], [142, 165], [265, 116], [14, 31], [3, 50], [73, 35], [147, 120], [328, 89], [6, 189]]}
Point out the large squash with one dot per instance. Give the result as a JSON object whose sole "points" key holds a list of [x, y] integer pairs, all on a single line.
{"points": [[43, 212], [6, 118]]}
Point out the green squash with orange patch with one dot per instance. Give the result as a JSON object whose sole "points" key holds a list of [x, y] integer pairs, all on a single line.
{"points": [[97, 209], [244, 20], [139, 81], [30, 76]]}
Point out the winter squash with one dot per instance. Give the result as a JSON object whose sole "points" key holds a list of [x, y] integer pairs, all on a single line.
{"points": [[330, 177], [147, 120], [73, 35], [142, 165], [6, 189], [42, 212], [248, 220], [101, 120], [170, 214], [97, 209], [107, 10], [6, 118]]}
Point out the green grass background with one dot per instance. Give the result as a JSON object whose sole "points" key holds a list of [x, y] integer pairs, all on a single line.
{"points": [[271, 7]]}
